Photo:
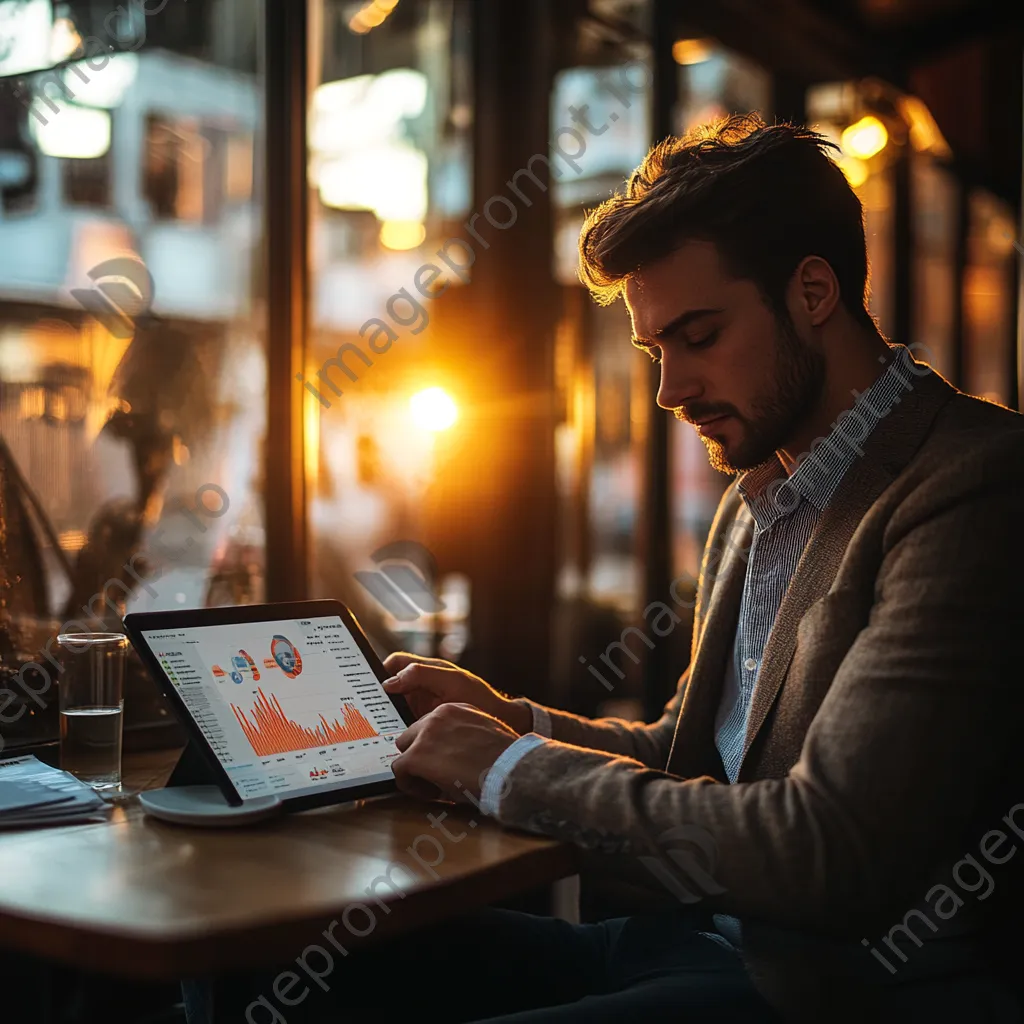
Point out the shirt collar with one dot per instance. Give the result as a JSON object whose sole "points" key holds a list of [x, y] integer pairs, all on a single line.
{"points": [[769, 493]]}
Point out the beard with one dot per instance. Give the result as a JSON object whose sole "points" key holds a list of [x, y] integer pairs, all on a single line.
{"points": [[797, 381]]}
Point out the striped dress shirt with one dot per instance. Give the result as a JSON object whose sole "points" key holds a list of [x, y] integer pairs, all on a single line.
{"points": [[785, 512]]}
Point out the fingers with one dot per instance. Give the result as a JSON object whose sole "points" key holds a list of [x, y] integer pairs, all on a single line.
{"points": [[402, 683], [412, 785], [395, 662], [417, 676], [404, 740]]}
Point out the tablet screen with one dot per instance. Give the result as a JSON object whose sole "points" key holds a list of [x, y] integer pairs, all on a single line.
{"points": [[289, 708]]}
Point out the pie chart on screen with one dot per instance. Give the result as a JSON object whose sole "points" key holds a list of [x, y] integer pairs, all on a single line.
{"points": [[287, 657]]}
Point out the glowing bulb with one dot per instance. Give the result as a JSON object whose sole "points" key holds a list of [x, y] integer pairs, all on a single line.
{"points": [[865, 138], [433, 409], [402, 234], [691, 51], [856, 171]]}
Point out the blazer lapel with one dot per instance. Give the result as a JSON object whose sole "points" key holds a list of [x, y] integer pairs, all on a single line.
{"points": [[693, 742], [887, 450]]}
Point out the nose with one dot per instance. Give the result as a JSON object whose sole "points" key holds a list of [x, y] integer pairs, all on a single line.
{"points": [[678, 386]]}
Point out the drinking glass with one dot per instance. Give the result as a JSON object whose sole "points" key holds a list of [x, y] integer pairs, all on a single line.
{"points": [[92, 706]]}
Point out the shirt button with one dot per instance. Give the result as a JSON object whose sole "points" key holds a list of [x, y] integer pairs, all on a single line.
{"points": [[750, 664]]}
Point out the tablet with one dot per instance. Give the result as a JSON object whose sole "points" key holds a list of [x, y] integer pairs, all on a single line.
{"points": [[282, 700]]}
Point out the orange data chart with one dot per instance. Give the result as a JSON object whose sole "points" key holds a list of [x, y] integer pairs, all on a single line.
{"points": [[271, 731]]}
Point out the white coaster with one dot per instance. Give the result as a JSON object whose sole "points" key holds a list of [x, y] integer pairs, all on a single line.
{"points": [[205, 806]]}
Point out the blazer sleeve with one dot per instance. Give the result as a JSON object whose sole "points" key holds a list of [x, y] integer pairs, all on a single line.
{"points": [[923, 716], [647, 743]]}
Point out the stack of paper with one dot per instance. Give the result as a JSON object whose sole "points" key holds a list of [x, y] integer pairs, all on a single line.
{"points": [[32, 793]]}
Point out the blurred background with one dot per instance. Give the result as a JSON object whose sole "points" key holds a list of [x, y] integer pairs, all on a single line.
{"points": [[207, 205]]}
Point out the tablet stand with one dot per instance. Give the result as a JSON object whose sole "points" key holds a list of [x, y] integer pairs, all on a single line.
{"points": [[192, 797], [191, 769]]}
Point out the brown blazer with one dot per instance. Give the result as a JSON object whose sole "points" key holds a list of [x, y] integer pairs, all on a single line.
{"points": [[884, 733]]}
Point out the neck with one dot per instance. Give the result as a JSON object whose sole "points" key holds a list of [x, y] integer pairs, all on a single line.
{"points": [[853, 363]]}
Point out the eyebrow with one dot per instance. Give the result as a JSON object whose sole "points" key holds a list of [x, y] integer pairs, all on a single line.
{"points": [[683, 320]]}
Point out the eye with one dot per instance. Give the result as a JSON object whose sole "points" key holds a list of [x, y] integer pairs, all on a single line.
{"points": [[704, 342]]}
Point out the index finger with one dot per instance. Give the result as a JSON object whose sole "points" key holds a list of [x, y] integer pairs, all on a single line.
{"points": [[405, 740], [398, 660]]}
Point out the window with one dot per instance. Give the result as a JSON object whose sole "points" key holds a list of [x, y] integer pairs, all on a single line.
{"points": [[934, 192], [87, 182], [988, 298], [132, 362], [390, 171]]}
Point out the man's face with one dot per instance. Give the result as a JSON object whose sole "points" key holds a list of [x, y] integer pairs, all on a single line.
{"points": [[724, 353]]}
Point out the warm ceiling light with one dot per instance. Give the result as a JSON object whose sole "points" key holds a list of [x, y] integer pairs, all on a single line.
{"points": [[864, 138], [925, 134], [402, 234], [433, 409], [856, 171], [371, 15], [691, 51]]}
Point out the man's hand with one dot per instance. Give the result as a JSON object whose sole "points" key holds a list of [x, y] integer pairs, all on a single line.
{"points": [[427, 683], [447, 752]]}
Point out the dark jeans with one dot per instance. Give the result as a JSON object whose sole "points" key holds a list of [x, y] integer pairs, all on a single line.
{"points": [[502, 965]]}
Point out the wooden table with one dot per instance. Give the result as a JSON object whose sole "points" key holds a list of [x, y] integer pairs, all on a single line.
{"points": [[145, 899]]}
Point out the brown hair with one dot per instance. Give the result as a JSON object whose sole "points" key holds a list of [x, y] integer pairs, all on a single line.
{"points": [[765, 195]]}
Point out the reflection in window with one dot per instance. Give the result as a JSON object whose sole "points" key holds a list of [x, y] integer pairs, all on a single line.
{"points": [[988, 305], [390, 173], [131, 350], [185, 176], [877, 197], [715, 82], [934, 192], [609, 108], [866, 155], [88, 182]]}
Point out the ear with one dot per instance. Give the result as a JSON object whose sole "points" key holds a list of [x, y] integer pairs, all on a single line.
{"points": [[814, 290]]}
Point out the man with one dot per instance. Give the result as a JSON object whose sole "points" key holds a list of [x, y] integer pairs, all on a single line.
{"points": [[845, 739]]}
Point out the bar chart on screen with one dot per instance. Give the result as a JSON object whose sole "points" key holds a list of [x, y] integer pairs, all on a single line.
{"points": [[270, 731]]}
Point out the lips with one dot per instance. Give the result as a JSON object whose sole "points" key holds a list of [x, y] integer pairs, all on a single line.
{"points": [[704, 426]]}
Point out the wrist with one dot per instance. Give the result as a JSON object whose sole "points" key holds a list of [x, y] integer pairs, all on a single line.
{"points": [[517, 716]]}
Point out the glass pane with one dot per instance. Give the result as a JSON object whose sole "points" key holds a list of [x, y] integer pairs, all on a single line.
{"points": [[609, 108], [132, 359], [988, 299], [934, 192], [390, 166], [877, 197], [833, 107], [604, 114], [715, 82]]}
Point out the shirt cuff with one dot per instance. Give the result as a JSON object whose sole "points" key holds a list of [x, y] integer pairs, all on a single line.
{"points": [[541, 721], [496, 781]]}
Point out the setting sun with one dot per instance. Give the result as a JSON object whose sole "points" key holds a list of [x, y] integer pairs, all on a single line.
{"points": [[433, 409]]}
